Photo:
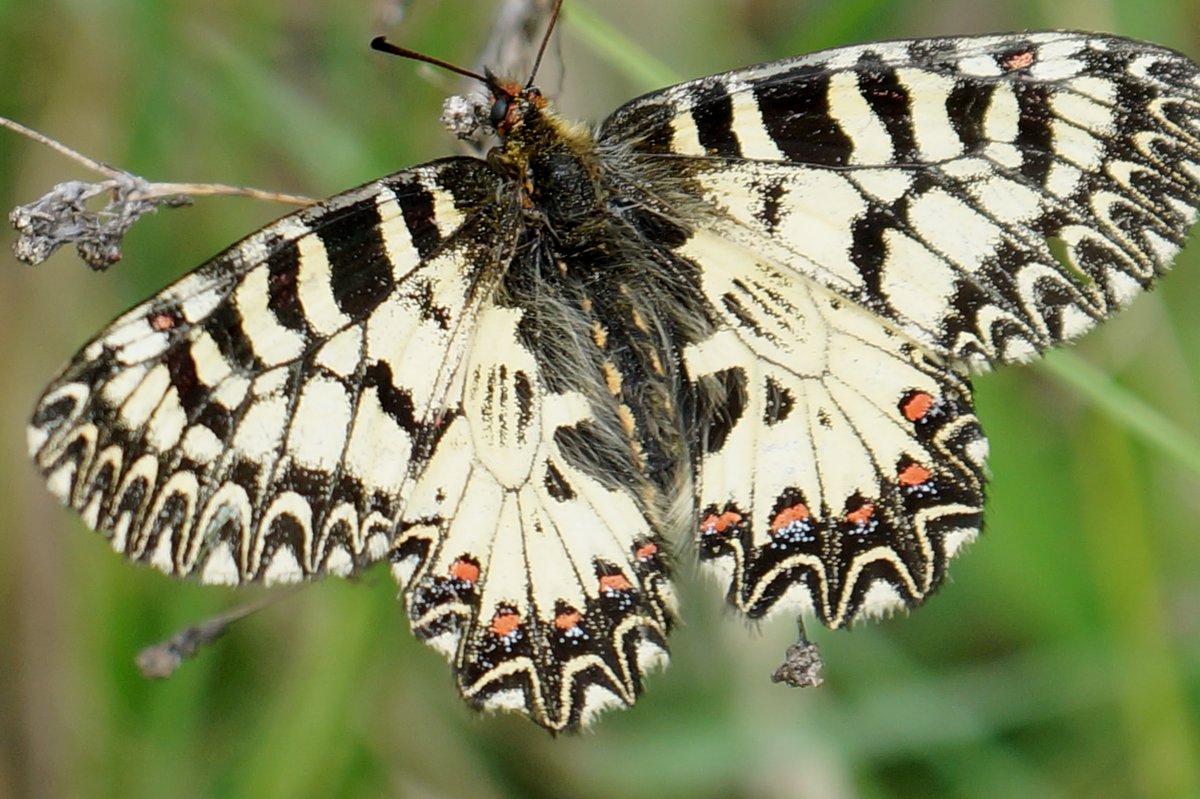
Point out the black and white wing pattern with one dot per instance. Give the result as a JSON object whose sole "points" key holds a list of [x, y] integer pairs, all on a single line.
{"points": [[259, 420], [341, 387], [738, 321], [871, 223], [545, 587]]}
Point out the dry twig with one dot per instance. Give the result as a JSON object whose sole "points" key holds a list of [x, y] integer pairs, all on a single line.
{"points": [[61, 216], [160, 661]]}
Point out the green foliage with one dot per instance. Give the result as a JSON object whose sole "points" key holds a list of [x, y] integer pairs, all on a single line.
{"points": [[1061, 659]]}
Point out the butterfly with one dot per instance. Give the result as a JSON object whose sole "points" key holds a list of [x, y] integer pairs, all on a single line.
{"points": [[735, 322]]}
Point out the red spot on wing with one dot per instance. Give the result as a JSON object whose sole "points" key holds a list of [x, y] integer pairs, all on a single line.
{"points": [[1019, 61], [463, 569], [614, 582], [914, 474], [162, 321], [917, 406], [719, 524], [646, 551], [862, 515], [796, 513], [567, 619], [505, 622]]}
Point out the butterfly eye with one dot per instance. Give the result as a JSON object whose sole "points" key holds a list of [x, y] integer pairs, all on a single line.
{"points": [[500, 110]]}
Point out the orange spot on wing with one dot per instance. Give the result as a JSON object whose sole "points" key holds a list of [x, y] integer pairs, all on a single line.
{"points": [[504, 622], [796, 513], [567, 620], [862, 515], [463, 569], [614, 582], [161, 322], [1019, 61], [719, 524], [914, 474], [646, 551], [915, 408]]}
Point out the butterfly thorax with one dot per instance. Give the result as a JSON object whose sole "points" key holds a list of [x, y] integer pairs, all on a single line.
{"points": [[600, 315], [553, 161]]}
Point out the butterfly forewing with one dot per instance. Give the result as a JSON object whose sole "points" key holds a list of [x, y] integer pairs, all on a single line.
{"points": [[739, 320], [932, 181], [261, 419]]}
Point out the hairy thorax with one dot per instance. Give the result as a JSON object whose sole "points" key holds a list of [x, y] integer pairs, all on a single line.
{"points": [[604, 313]]}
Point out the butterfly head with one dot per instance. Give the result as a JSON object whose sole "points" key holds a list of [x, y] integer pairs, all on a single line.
{"points": [[513, 105]]}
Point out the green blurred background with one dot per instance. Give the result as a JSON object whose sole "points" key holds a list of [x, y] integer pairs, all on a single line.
{"points": [[1061, 659]]}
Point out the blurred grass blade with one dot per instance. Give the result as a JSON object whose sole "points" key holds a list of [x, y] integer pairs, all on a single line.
{"points": [[1124, 408], [618, 50]]}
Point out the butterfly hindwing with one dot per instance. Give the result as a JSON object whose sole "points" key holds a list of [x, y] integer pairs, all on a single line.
{"points": [[846, 465], [262, 418], [546, 588]]}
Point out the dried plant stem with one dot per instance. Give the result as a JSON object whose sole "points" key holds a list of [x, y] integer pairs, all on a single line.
{"points": [[154, 189], [62, 216], [160, 661]]}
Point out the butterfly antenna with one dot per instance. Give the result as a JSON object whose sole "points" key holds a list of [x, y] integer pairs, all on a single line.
{"points": [[381, 44], [537, 62]]}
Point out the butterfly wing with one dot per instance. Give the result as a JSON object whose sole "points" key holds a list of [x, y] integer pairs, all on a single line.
{"points": [[262, 419], [546, 588], [990, 195], [870, 222], [840, 465]]}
